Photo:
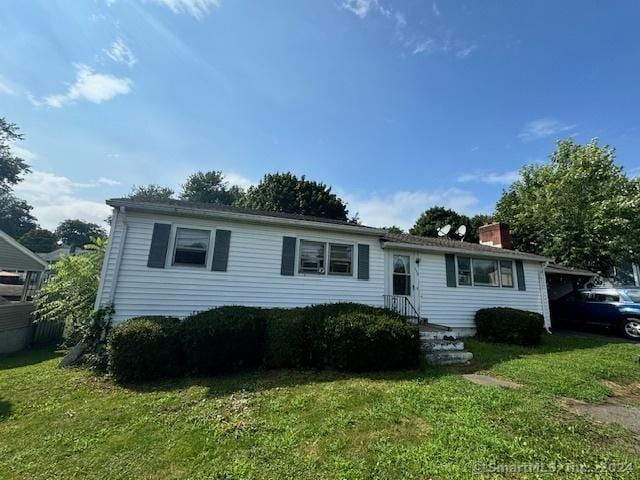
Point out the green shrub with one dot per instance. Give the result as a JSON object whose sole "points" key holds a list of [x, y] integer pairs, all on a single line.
{"points": [[365, 341], [509, 325], [144, 348], [286, 339], [224, 339]]}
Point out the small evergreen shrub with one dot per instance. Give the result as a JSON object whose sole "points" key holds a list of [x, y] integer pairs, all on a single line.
{"points": [[224, 339], [509, 325], [364, 341], [144, 348], [286, 339]]}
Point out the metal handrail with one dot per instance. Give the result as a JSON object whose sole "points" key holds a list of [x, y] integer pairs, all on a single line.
{"points": [[402, 306]]}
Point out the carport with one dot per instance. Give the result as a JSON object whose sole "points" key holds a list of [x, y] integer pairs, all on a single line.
{"points": [[563, 280], [16, 324]]}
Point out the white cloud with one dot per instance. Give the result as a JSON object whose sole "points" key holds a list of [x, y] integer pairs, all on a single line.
{"points": [[94, 87], [23, 153], [403, 208], [543, 127], [54, 199], [362, 8], [108, 181], [236, 179], [464, 52], [435, 9], [196, 8], [505, 178], [5, 86], [119, 52]]}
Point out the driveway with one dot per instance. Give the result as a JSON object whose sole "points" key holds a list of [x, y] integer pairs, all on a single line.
{"points": [[598, 335]]}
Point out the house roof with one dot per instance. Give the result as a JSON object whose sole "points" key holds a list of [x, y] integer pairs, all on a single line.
{"points": [[455, 246], [185, 208], [14, 256], [561, 270]]}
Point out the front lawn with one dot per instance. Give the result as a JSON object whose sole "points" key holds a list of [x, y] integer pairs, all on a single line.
{"points": [[287, 424]]}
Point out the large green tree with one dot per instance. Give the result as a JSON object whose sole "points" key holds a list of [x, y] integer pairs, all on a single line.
{"points": [[39, 240], [77, 233], [580, 208], [285, 192], [12, 167], [428, 223], [150, 193], [15, 215], [210, 187]]}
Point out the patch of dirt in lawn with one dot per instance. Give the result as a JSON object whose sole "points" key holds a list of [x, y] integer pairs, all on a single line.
{"points": [[611, 411], [630, 391], [487, 381]]}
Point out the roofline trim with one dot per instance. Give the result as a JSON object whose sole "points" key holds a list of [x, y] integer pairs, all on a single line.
{"points": [[23, 249], [242, 217], [501, 253]]}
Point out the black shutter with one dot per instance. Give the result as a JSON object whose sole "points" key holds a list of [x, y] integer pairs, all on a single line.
{"points": [[450, 262], [520, 274], [288, 264], [363, 262], [221, 251], [159, 245]]}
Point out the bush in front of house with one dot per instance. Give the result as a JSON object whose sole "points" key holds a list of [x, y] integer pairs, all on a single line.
{"points": [[509, 325], [365, 341], [144, 348], [223, 339]]}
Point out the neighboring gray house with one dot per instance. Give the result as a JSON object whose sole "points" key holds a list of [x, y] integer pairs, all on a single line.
{"points": [[16, 325], [176, 257]]}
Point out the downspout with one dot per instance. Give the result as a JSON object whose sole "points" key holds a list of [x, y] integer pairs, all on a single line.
{"points": [[545, 295]]}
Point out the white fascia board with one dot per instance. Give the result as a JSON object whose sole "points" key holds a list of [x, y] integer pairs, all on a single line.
{"points": [[432, 248], [247, 218]]}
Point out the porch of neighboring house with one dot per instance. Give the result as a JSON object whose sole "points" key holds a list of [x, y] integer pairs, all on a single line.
{"points": [[21, 273]]}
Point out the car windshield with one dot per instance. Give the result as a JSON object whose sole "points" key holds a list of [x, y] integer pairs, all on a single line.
{"points": [[634, 295]]}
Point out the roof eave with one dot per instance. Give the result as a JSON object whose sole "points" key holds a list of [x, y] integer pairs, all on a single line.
{"points": [[23, 249], [178, 210], [499, 253]]}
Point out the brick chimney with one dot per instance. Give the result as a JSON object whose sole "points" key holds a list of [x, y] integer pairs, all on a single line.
{"points": [[495, 235]]}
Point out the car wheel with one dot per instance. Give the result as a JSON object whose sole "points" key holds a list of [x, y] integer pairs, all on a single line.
{"points": [[631, 328]]}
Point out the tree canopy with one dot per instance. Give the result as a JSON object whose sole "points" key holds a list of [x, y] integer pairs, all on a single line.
{"points": [[210, 187], [39, 240], [15, 215], [150, 193], [580, 208], [428, 223], [284, 192], [12, 167], [77, 233]]}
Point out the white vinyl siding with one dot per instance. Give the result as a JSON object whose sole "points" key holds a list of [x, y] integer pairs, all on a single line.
{"points": [[456, 307], [252, 277]]}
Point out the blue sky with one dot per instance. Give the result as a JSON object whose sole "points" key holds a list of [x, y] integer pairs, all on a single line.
{"points": [[398, 105]]}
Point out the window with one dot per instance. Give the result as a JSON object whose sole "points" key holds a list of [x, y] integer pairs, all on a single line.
{"points": [[464, 271], [401, 275], [340, 259], [603, 297], [506, 273], [485, 273], [191, 247], [634, 295], [311, 257]]}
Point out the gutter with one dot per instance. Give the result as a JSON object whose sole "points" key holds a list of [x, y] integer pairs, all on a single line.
{"points": [[244, 217], [500, 253]]}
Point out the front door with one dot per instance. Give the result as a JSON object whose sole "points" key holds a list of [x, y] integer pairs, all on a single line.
{"points": [[404, 278]]}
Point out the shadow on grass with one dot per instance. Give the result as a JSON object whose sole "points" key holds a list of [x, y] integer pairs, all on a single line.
{"points": [[5, 409], [30, 356]]}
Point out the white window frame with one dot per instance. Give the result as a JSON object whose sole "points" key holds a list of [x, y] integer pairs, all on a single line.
{"points": [[330, 246], [170, 260], [324, 261], [473, 279]]}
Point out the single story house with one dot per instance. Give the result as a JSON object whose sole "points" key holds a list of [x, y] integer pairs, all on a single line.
{"points": [[175, 257]]}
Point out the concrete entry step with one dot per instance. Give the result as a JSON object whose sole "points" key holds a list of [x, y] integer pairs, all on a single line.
{"points": [[448, 357], [442, 345]]}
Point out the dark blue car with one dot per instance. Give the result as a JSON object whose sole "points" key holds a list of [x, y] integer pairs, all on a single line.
{"points": [[614, 308]]}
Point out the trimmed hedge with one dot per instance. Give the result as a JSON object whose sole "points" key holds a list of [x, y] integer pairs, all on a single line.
{"points": [[509, 325], [361, 341], [144, 348], [223, 339], [344, 336]]}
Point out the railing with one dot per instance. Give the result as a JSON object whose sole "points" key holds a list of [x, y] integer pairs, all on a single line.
{"points": [[402, 306]]}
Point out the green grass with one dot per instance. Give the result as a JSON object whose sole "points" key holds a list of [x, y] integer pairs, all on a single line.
{"points": [[422, 424]]}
